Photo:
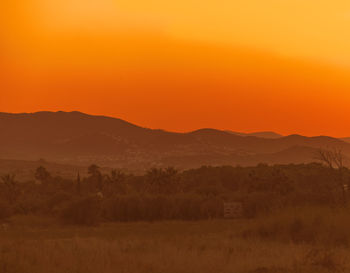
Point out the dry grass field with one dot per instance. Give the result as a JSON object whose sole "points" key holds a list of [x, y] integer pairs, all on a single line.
{"points": [[232, 246]]}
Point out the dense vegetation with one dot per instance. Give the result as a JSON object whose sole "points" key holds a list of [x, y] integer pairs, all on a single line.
{"points": [[165, 194]]}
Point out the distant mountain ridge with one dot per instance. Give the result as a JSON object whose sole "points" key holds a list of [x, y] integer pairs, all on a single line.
{"points": [[78, 138], [264, 134], [346, 139]]}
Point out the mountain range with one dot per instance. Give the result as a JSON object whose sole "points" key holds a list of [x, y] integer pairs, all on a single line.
{"points": [[81, 139]]}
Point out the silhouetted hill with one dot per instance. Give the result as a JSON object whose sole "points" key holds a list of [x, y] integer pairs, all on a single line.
{"points": [[346, 139], [77, 138], [292, 155], [265, 134]]}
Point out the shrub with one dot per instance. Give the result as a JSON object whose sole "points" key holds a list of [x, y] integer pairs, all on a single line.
{"points": [[85, 211], [57, 201], [5, 210], [304, 225], [258, 203], [153, 208]]}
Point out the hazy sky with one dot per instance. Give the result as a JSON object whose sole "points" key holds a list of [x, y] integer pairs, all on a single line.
{"points": [[245, 65]]}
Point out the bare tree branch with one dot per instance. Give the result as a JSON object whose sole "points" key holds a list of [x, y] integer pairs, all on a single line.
{"points": [[338, 157], [326, 157]]}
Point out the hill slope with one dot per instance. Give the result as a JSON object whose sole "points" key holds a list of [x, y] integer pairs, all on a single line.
{"points": [[265, 134], [346, 139]]}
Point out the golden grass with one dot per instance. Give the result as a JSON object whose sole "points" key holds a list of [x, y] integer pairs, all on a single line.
{"points": [[161, 247]]}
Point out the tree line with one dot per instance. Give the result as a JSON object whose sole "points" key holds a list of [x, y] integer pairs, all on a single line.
{"points": [[166, 193]]}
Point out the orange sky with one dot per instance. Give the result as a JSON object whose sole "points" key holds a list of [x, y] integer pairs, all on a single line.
{"points": [[245, 65]]}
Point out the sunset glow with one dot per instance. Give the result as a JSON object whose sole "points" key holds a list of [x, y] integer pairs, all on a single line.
{"points": [[246, 65]]}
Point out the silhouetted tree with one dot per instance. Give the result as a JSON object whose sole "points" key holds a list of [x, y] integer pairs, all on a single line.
{"points": [[12, 190], [96, 176], [334, 159], [94, 170], [161, 180], [42, 175], [116, 183], [78, 184]]}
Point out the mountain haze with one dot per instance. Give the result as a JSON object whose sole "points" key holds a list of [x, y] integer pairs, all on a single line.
{"points": [[78, 138]]}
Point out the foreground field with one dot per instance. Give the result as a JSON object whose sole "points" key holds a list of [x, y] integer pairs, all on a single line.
{"points": [[164, 247]]}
